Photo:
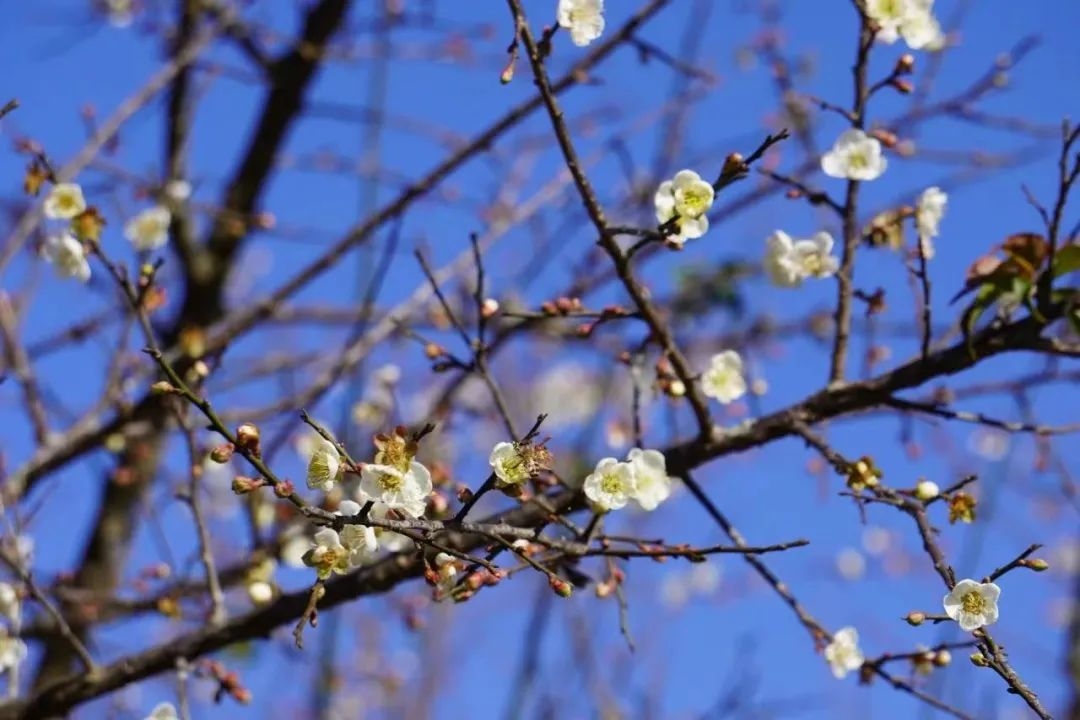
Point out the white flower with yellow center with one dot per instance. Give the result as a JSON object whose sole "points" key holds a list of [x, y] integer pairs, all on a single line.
{"points": [[64, 201], [360, 540], [689, 197], [149, 230], [67, 255], [509, 465], [324, 467], [973, 604], [404, 491], [652, 486], [583, 18], [855, 156], [329, 555], [843, 653], [889, 15], [724, 379], [812, 257], [611, 484]]}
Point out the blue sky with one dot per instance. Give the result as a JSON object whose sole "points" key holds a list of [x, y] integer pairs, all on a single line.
{"points": [[64, 59]]}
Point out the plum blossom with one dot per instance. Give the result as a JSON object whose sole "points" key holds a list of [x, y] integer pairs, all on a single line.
{"points": [[855, 156], [329, 555], [929, 209], [149, 230], [67, 255], [325, 466], [583, 18], [912, 20], [360, 540], [611, 484], [788, 262], [12, 650], [687, 197], [64, 201], [843, 653], [972, 604], [652, 485], [724, 379], [404, 490]]}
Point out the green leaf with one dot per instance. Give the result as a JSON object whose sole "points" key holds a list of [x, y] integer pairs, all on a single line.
{"points": [[988, 294], [1066, 260]]}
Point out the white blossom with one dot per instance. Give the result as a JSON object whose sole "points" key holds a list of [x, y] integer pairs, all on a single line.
{"points": [[67, 255], [120, 13], [611, 484], [724, 379], [389, 540], [360, 540], [855, 156], [652, 484], [509, 466], [12, 650], [447, 570], [149, 230], [843, 653], [324, 467], [405, 491], [328, 555], [688, 197], [64, 201], [260, 592], [163, 711], [973, 604], [929, 209], [927, 490], [583, 18], [912, 20], [788, 262]]}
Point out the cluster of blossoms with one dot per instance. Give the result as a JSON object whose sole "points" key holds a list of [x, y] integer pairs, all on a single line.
{"points": [[66, 248], [583, 18], [681, 204], [642, 477], [912, 20], [971, 604], [395, 483], [12, 648]]}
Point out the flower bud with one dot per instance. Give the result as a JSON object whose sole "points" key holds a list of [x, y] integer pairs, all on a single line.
{"points": [[915, 618], [927, 490], [163, 387], [433, 351], [905, 64], [284, 489], [247, 437], [942, 658], [978, 660], [241, 484], [904, 87], [560, 586], [1036, 564], [489, 307], [222, 453]]}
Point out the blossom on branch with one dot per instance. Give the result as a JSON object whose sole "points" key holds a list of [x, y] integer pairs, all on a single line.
{"points": [[929, 209], [724, 379], [788, 262], [583, 18], [359, 540], [912, 20], [843, 653], [405, 490], [685, 198], [67, 255], [855, 156], [329, 555], [972, 604], [64, 201], [652, 485], [611, 484], [12, 650], [324, 468], [149, 230]]}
